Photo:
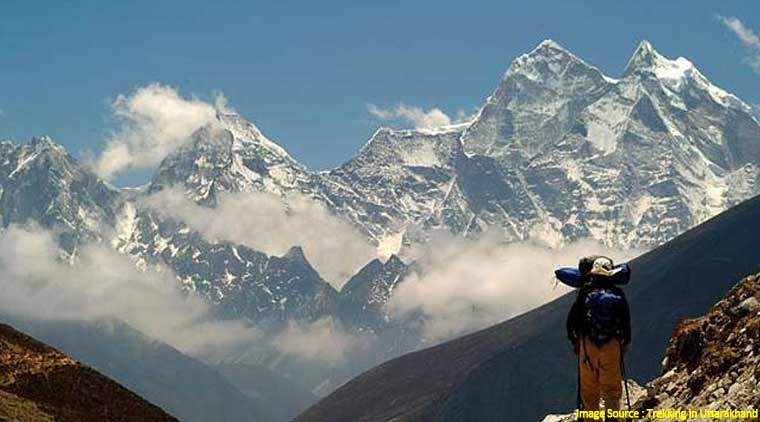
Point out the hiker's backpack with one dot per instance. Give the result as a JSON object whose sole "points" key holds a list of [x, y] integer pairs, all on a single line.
{"points": [[602, 314]]}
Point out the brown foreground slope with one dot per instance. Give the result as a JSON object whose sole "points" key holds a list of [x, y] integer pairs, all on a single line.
{"points": [[39, 383]]}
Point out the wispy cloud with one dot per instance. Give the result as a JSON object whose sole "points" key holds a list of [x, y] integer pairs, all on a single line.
{"points": [[155, 120], [748, 38], [418, 117]]}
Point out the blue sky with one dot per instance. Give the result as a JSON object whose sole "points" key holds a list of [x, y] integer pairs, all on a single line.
{"points": [[304, 71]]}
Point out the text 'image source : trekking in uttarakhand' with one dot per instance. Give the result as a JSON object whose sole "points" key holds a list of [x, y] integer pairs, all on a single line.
{"points": [[352, 211]]}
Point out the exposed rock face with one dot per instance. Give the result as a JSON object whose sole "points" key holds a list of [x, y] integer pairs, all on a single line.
{"points": [[631, 161], [364, 297], [538, 99], [41, 183], [38, 383], [713, 362], [243, 282], [403, 178], [230, 156]]}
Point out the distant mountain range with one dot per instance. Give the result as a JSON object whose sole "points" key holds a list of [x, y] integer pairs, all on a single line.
{"points": [[558, 152]]}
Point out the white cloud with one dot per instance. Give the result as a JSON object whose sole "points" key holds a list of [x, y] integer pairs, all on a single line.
{"points": [[155, 120], [271, 224], [748, 37], [466, 284], [416, 116], [103, 285]]}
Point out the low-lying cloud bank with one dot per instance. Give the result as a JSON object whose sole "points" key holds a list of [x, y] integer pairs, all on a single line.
{"points": [[272, 224], [460, 285], [103, 284], [465, 284]]}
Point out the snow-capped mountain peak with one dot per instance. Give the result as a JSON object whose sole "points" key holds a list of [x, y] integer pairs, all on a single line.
{"points": [[538, 95], [677, 75], [233, 155], [644, 56], [647, 59], [245, 133], [41, 182], [559, 152], [46, 142], [552, 149], [548, 48], [547, 59]]}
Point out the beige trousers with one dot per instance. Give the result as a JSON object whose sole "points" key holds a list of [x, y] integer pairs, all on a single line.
{"points": [[600, 374]]}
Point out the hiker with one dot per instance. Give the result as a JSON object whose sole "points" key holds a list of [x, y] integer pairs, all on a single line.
{"points": [[599, 327]]}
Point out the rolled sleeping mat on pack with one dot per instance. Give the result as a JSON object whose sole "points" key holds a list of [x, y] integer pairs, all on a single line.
{"points": [[573, 277]]}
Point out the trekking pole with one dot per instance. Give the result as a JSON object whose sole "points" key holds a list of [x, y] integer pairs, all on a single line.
{"points": [[625, 383], [578, 401]]}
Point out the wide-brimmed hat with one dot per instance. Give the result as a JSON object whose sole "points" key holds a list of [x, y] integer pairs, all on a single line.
{"points": [[603, 267]]}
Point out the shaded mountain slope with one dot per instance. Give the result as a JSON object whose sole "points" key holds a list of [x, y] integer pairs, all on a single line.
{"points": [[364, 297], [39, 383], [283, 396], [522, 369]]}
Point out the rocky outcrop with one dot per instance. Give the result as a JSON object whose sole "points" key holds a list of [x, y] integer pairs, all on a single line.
{"points": [[713, 362]]}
